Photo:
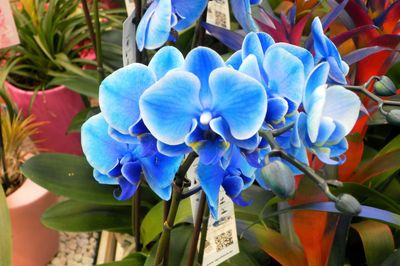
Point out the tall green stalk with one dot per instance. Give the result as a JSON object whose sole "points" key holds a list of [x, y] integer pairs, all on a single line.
{"points": [[99, 54]]}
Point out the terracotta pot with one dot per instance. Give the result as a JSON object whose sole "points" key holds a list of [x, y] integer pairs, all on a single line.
{"points": [[57, 107], [33, 244]]}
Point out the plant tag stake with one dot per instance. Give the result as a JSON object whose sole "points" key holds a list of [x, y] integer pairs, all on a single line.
{"points": [[8, 30], [130, 6], [128, 40], [218, 13], [221, 241]]}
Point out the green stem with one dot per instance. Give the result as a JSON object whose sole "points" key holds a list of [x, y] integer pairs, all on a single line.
{"points": [[136, 217], [204, 228], [199, 32], [173, 209], [168, 224], [99, 54], [197, 227]]}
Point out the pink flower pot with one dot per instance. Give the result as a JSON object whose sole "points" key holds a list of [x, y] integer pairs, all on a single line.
{"points": [[33, 244], [56, 107]]}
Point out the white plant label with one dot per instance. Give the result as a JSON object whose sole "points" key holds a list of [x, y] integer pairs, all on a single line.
{"points": [[218, 13], [8, 30], [130, 6], [128, 40], [221, 241]]}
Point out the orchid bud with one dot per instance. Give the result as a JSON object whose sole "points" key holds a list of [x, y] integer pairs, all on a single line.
{"points": [[348, 204], [279, 179], [393, 117], [384, 87]]}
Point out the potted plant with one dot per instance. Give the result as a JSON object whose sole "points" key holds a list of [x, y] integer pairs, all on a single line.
{"points": [[44, 72], [26, 201]]}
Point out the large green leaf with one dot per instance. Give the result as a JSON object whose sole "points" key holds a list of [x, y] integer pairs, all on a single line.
{"points": [[5, 231], [274, 244], [180, 237], [258, 198], [70, 176], [152, 224], [393, 259], [135, 259], [81, 117], [75, 216], [377, 240]]}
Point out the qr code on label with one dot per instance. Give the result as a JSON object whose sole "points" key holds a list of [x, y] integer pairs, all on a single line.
{"points": [[220, 19], [223, 240]]}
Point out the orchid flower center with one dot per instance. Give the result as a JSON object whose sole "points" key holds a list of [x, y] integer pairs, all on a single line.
{"points": [[205, 118]]}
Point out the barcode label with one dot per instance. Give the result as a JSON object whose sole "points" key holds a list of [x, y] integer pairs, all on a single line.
{"points": [[218, 13], [223, 240]]}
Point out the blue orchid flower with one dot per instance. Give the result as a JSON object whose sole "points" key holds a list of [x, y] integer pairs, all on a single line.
{"points": [[237, 176], [118, 163], [242, 12], [118, 133], [326, 51], [162, 16], [330, 114], [205, 106]]}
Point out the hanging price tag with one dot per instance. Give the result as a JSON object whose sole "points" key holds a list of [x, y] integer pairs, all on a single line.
{"points": [[218, 13], [221, 241], [128, 40], [8, 30]]}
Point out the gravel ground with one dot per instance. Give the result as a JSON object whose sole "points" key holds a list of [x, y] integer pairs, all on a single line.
{"points": [[76, 249]]}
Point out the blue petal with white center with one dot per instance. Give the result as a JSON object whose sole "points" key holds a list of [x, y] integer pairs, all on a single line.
{"points": [[119, 95]]}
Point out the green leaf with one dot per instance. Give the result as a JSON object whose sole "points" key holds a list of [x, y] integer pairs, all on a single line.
{"points": [[152, 224], [258, 197], [377, 240], [5, 228], [70, 176], [274, 244], [79, 84], [135, 259], [76, 216], [338, 252], [393, 259], [180, 237], [81, 117]]}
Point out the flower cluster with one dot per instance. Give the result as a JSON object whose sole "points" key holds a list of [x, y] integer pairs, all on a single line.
{"points": [[151, 116]]}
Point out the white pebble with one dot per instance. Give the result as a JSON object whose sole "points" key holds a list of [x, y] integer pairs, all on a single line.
{"points": [[87, 261]]}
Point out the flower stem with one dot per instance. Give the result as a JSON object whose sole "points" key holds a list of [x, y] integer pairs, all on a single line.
{"points": [[199, 31], [204, 228], [99, 54], [136, 218], [89, 23], [168, 224], [173, 209], [196, 231]]}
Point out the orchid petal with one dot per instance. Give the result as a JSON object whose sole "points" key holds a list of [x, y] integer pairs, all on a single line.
{"points": [[250, 68], [96, 141], [304, 55], [235, 60], [210, 178], [164, 112], [122, 137], [201, 62], [119, 95], [173, 150], [158, 27], [343, 106], [285, 73], [127, 189], [326, 128], [240, 100], [317, 78], [141, 31], [165, 59], [233, 185], [314, 113], [131, 172], [242, 12], [277, 109], [104, 179], [160, 171], [190, 10]]}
